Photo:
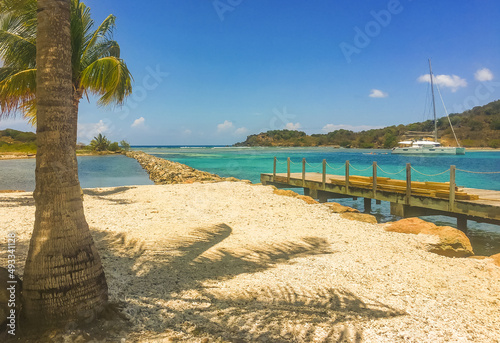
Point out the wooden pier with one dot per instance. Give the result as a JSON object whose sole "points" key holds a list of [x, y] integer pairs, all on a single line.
{"points": [[407, 198]]}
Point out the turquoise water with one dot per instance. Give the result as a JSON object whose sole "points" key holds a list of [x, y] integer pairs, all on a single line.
{"points": [[249, 163]]}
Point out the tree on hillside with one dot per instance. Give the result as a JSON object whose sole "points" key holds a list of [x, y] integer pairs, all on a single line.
{"points": [[96, 64], [63, 276]]}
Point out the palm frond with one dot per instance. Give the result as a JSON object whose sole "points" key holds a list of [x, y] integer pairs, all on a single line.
{"points": [[17, 91], [104, 30], [29, 110], [81, 23], [108, 77], [17, 5], [108, 48], [17, 41], [96, 63]]}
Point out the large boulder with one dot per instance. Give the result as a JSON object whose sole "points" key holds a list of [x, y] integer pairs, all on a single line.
{"points": [[338, 208], [360, 217], [451, 242], [409, 225]]}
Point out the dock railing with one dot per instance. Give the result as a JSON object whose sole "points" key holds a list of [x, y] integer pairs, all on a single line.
{"points": [[348, 167], [428, 193]]}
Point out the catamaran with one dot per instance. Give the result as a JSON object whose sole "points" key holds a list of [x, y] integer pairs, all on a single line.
{"points": [[429, 147]]}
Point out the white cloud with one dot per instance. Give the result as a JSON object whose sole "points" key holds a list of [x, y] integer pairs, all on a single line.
{"points": [[187, 132], [87, 131], [451, 81], [241, 131], [292, 126], [377, 93], [225, 126], [138, 122], [483, 75], [332, 127]]}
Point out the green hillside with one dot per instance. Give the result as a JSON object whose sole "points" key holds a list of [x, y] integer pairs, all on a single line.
{"points": [[17, 141], [478, 127]]}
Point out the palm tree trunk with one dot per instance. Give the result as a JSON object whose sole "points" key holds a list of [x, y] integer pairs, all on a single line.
{"points": [[63, 277], [77, 96]]}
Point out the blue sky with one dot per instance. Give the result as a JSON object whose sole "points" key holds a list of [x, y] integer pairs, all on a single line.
{"points": [[215, 71]]}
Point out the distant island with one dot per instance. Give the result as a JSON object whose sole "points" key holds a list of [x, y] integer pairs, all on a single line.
{"points": [[478, 127]]}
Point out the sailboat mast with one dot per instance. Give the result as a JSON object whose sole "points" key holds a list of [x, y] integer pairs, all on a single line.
{"points": [[433, 103]]}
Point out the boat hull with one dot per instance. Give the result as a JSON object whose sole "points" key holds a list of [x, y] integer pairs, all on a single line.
{"points": [[429, 151]]}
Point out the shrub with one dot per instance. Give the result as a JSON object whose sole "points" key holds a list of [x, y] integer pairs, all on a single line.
{"points": [[114, 147], [125, 145], [494, 143]]}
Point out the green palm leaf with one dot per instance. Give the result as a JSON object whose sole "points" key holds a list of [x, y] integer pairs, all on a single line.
{"points": [[108, 77], [104, 31], [97, 67], [17, 89], [17, 44]]}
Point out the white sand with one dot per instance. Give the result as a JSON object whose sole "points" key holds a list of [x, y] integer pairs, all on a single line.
{"points": [[232, 262]]}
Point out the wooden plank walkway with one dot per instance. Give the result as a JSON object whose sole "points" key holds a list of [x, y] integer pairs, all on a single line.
{"points": [[478, 204]]}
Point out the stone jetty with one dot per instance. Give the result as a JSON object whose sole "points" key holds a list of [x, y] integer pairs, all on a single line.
{"points": [[163, 172]]}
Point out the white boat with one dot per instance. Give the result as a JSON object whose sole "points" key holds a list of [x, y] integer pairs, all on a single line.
{"points": [[429, 147], [426, 147]]}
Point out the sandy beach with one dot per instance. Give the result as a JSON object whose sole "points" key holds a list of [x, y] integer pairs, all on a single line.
{"points": [[15, 156], [233, 262]]}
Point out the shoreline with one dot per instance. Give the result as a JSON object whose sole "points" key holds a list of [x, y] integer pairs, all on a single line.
{"points": [[22, 155], [233, 261]]}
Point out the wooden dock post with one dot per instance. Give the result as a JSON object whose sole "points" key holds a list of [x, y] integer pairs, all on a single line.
{"points": [[452, 188], [367, 205], [303, 172], [408, 183], [347, 176], [288, 170], [462, 223], [374, 179], [274, 169], [324, 174]]}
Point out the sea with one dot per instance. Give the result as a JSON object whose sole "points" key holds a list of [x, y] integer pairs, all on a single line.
{"points": [[474, 170]]}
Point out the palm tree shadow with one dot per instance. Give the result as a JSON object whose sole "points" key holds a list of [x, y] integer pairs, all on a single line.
{"points": [[17, 201], [102, 195], [176, 283], [115, 190]]}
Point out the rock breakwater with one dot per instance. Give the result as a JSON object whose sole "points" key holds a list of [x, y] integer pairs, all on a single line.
{"points": [[163, 172]]}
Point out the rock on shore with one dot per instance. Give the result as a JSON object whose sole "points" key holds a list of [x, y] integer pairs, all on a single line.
{"points": [[163, 172], [451, 242]]}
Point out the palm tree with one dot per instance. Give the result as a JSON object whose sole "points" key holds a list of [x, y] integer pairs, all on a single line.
{"points": [[63, 276], [100, 143], [96, 63]]}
